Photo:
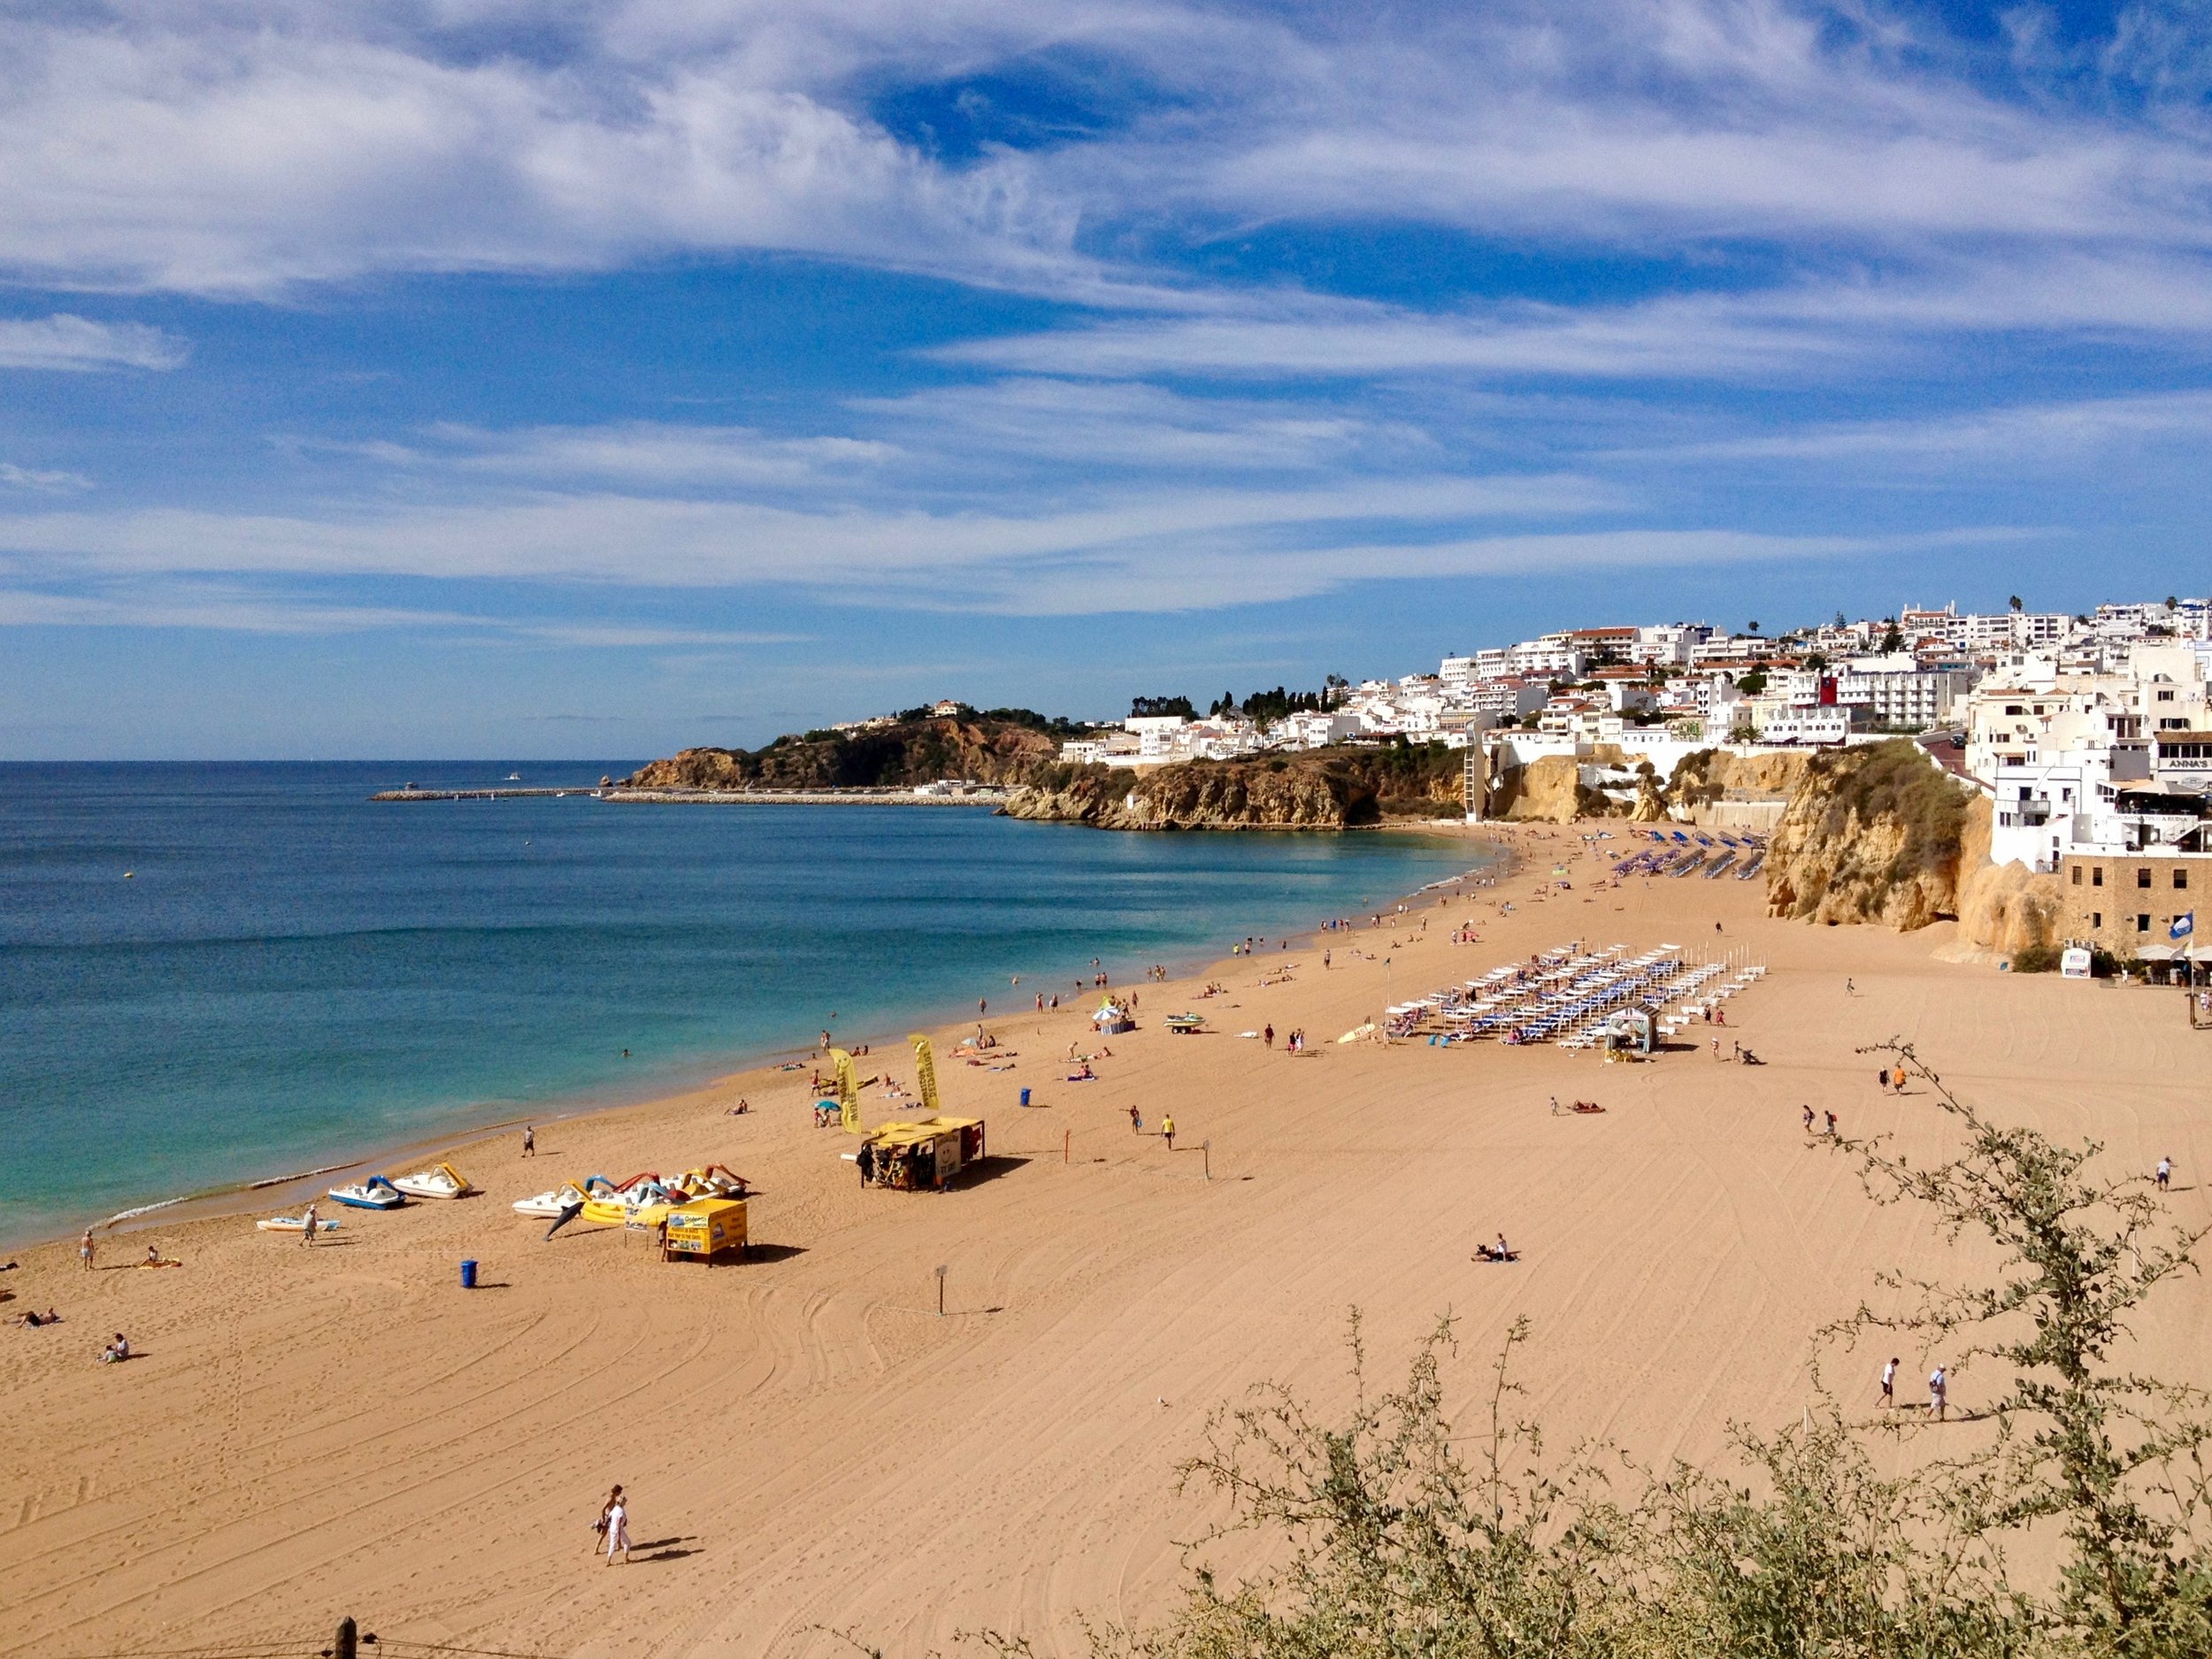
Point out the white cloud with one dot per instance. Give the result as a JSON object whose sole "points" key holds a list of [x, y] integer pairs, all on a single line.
{"points": [[189, 144], [647, 453], [15, 477], [63, 342], [1133, 425], [2027, 436]]}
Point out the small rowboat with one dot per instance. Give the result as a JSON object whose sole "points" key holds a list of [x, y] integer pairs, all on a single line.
{"points": [[294, 1224], [376, 1193], [440, 1181]]}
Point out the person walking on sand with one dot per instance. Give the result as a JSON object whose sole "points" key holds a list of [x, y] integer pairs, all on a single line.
{"points": [[307, 1227], [599, 1526], [1831, 1126], [2165, 1179], [529, 1141], [1939, 1394], [1267, 1037], [1167, 1130], [84, 1249], [619, 1530], [1136, 1121], [1849, 989], [1889, 1384], [1808, 1119]]}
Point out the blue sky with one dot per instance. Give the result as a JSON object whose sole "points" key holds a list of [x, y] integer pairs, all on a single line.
{"points": [[484, 377]]}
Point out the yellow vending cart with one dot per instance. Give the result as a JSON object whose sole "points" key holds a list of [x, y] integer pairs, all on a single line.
{"points": [[704, 1229]]}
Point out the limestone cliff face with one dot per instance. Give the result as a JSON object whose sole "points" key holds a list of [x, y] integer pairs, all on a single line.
{"points": [[1203, 794], [1884, 835], [1871, 835], [1549, 790], [904, 753], [2002, 908], [1712, 774]]}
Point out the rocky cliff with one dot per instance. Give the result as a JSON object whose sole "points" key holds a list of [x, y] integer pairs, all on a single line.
{"points": [[2006, 908], [990, 748], [1552, 789], [1321, 789], [1884, 835]]}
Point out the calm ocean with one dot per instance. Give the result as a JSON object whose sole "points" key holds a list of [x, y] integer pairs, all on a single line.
{"points": [[293, 974]]}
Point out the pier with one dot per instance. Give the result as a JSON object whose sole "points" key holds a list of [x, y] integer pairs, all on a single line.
{"points": [[805, 798], [713, 797], [488, 794]]}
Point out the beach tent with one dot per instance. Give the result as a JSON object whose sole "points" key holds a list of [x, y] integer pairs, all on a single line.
{"points": [[916, 1157]]}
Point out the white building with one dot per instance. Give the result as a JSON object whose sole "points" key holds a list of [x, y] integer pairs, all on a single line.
{"points": [[1822, 724]]}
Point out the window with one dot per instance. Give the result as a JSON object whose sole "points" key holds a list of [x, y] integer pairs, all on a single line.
{"points": [[2143, 877], [2181, 880], [2096, 877], [2076, 875], [2142, 923], [2096, 920], [2165, 697]]}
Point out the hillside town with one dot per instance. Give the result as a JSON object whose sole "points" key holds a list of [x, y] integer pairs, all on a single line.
{"points": [[2090, 735]]}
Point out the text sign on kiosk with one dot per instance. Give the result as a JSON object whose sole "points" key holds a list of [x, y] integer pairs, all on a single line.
{"points": [[2073, 962]]}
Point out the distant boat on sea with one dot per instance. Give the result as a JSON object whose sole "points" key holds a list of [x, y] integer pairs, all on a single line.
{"points": [[514, 777]]}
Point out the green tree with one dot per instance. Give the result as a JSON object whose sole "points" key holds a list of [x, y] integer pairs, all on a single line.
{"points": [[2110, 1456]]}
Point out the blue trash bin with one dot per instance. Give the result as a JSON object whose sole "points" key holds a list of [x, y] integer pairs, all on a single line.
{"points": [[468, 1275], [1025, 1097]]}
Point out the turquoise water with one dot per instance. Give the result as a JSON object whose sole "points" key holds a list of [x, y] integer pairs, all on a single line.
{"points": [[292, 973]]}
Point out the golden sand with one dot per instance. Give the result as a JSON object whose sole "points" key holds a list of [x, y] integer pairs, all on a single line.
{"points": [[809, 1448]]}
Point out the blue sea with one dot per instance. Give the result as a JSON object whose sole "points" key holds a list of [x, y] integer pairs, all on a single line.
{"points": [[212, 973]]}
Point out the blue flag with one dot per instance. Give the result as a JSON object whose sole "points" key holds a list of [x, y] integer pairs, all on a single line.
{"points": [[2184, 925]]}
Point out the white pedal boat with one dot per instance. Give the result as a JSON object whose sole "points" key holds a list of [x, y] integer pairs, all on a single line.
{"points": [[547, 1206], [294, 1224], [376, 1193], [439, 1180]]}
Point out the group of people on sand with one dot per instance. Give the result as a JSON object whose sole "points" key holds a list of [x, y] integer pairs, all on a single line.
{"points": [[1939, 1389]]}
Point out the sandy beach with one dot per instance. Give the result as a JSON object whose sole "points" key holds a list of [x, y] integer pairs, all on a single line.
{"points": [[809, 1448]]}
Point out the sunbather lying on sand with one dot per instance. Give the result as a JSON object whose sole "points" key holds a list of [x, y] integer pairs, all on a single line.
{"points": [[1496, 1253]]}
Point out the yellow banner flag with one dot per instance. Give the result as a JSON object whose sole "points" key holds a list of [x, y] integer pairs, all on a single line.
{"points": [[925, 1071], [848, 1091]]}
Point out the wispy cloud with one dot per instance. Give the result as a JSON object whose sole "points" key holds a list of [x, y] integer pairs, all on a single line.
{"points": [[2016, 435], [78, 344], [14, 477]]}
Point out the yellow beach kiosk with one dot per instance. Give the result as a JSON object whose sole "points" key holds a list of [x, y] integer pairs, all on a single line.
{"points": [[918, 1157], [704, 1229]]}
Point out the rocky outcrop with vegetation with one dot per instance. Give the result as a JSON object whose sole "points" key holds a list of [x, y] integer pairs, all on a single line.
{"points": [[1873, 835], [1884, 835], [1004, 746], [1325, 788], [1551, 788]]}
